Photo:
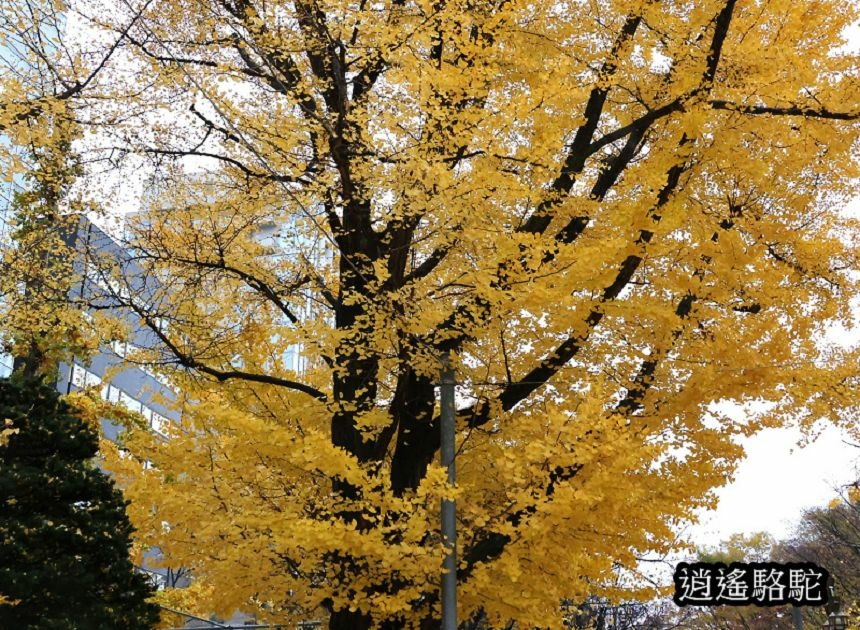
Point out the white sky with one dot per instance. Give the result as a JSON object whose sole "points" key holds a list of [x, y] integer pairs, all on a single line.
{"points": [[777, 481]]}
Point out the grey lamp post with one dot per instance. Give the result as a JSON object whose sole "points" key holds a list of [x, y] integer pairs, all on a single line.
{"points": [[449, 514], [797, 617], [837, 621]]}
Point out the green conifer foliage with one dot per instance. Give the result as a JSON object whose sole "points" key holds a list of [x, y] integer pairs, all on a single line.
{"points": [[64, 534]]}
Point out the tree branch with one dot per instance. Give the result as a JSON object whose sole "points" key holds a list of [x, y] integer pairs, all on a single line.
{"points": [[791, 110], [579, 150], [189, 362]]}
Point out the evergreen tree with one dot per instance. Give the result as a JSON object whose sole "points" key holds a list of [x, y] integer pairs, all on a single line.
{"points": [[64, 531]]}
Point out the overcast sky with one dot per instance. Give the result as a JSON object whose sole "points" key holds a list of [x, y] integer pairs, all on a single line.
{"points": [[777, 482]]}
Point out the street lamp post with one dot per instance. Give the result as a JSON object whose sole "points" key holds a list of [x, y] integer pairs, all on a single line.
{"points": [[449, 514], [837, 621]]}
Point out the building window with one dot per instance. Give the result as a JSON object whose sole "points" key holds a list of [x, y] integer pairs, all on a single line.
{"points": [[82, 377], [115, 395], [159, 424], [131, 403]]}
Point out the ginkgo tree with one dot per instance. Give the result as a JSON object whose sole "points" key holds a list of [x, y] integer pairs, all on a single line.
{"points": [[41, 78], [610, 216]]}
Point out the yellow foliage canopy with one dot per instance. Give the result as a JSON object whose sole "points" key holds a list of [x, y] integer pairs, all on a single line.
{"points": [[613, 215]]}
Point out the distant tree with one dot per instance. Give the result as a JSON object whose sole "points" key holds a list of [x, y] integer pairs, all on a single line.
{"points": [[64, 557], [599, 613], [757, 547], [830, 537]]}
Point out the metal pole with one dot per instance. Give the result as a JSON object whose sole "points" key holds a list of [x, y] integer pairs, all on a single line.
{"points": [[449, 514], [797, 617]]}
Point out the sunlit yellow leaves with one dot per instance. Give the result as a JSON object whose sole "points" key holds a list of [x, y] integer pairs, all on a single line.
{"points": [[616, 217], [7, 432], [5, 601]]}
